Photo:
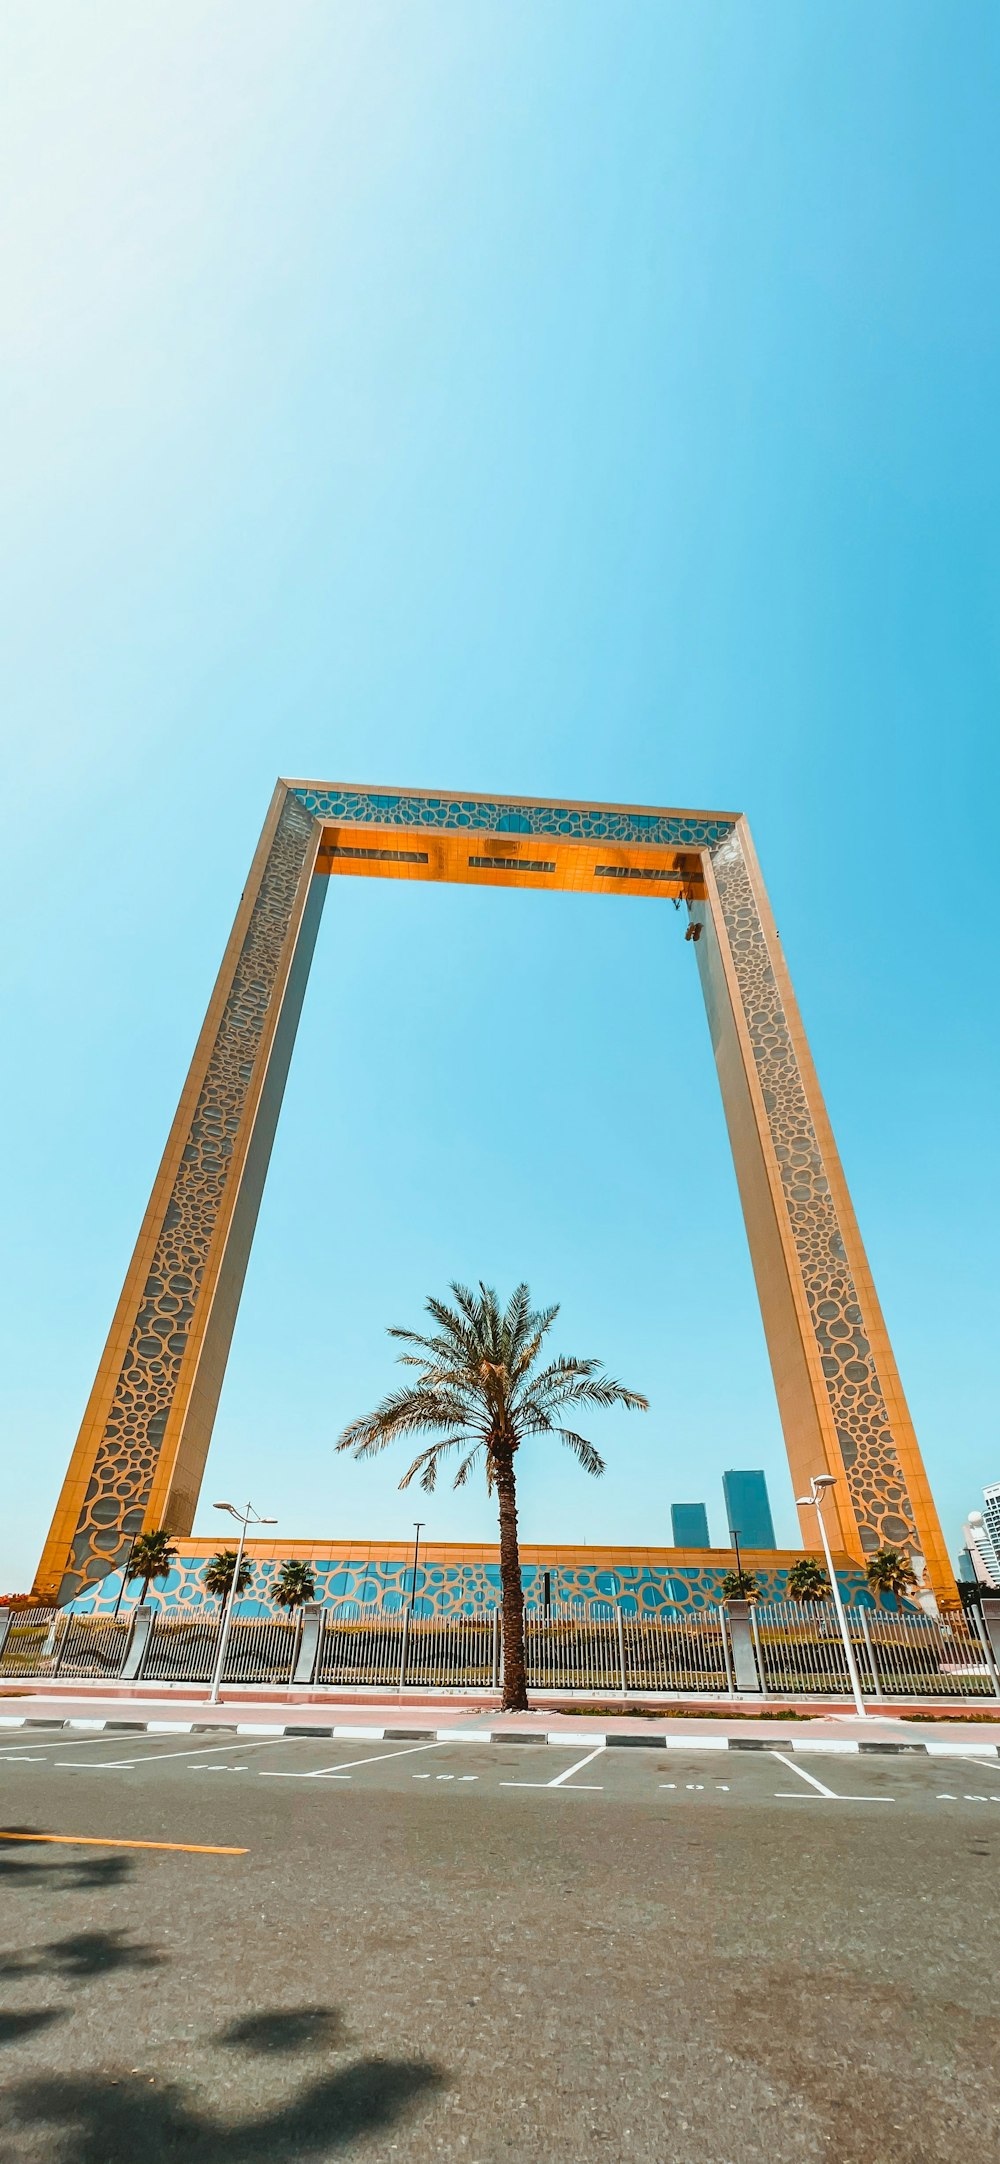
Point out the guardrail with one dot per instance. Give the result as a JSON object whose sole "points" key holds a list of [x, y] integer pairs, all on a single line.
{"points": [[781, 1649]]}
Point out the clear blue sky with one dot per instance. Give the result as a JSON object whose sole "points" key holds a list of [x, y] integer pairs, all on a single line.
{"points": [[596, 400]]}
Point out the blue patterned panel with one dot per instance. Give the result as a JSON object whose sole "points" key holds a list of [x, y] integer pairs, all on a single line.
{"points": [[467, 1588], [490, 815]]}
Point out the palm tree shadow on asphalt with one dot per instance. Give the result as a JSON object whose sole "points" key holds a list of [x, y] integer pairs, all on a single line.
{"points": [[96, 2120], [99, 2118], [32, 1870]]}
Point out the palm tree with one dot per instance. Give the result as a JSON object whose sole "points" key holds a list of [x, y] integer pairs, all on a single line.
{"points": [[293, 1586], [479, 1384], [740, 1585], [807, 1581], [890, 1571], [217, 1576], [153, 1556]]}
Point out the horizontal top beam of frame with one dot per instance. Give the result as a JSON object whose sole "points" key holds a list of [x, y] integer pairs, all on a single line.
{"points": [[510, 860], [649, 827]]}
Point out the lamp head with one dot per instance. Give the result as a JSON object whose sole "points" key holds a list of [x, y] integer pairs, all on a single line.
{"points": [[824, 1480], [231, 1507]]}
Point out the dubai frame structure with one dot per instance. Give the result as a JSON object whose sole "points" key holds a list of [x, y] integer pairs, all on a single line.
{"points": [[140, 1455]]}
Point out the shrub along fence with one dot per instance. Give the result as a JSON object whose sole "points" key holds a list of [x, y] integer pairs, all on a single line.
{"points": [[781, 1649]]}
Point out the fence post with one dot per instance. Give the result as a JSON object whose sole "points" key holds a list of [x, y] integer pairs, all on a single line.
{"points": [[495, 1662], [404, 1649], [877, 1690], [991, 1641], [137, 1645], [990, 1612], [621, 1648], [6, 1619], [309, 1642], [744, 1658]]}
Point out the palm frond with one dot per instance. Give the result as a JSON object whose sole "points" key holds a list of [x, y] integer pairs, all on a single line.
{"points": [[426, 1462], [586, 1389], [584, 1451], [405, 1412], [466, 1466]]}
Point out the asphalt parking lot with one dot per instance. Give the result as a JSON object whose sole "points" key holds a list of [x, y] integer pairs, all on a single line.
{"points": [[245, 1946], [746, 1778]]}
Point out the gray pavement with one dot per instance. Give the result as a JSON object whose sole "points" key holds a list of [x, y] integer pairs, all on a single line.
{"points": [[505, 1951]]}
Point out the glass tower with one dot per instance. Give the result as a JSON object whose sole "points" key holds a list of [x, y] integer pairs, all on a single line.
{"points": [[748, 1511], [689, 1523]]}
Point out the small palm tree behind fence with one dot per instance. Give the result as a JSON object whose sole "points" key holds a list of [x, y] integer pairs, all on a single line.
{"points": [[591, 1646]]}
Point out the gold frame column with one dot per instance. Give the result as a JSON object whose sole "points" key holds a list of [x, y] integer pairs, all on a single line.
{"points": [[839, 1394], [140, 1453]]}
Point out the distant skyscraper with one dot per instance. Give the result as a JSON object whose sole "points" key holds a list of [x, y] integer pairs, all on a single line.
{"points": [[748, 1511], [982, 1539], [690, 1525], [991, 1520]]}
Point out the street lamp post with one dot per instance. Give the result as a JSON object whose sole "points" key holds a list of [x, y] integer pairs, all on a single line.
{"points": [[244, 1518], [419, 1524], [739, 1567], [820, 1482]]}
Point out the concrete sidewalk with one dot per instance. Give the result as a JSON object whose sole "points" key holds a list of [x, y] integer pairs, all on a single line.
{"points": [[444, 1716]]}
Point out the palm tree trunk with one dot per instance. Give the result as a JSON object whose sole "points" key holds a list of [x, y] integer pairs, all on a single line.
{"points": [[515, 1684]]}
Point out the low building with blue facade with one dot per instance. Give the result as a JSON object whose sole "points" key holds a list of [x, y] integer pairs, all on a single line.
{"points": [[458, 1579]]}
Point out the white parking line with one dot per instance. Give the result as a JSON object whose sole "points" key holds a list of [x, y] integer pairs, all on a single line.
{"points": [[803, 1775], [829, 1795], [61, 1743], [334, 1773], [155, 1758], [578, 1768], [562, 1778]]}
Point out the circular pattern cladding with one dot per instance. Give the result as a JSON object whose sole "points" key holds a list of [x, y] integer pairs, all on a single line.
{"points": [[489, 815], [473, 1588], [878, 1492], [133, 1435]]}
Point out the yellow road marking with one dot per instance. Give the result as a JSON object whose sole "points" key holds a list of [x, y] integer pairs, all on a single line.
{"points": [[89, 1840]]}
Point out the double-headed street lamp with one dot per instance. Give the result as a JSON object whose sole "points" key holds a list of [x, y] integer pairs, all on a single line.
{"points": [[819, 1483], [243, 1518]]}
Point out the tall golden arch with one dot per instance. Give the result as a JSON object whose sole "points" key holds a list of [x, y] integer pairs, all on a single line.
{"points": [[141, 1451]]}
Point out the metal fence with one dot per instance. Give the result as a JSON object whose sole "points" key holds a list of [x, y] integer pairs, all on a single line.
{"points": [[799, 1650], [789, 1649], [683, 1654], [30, 1645], [928, 1658]]}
